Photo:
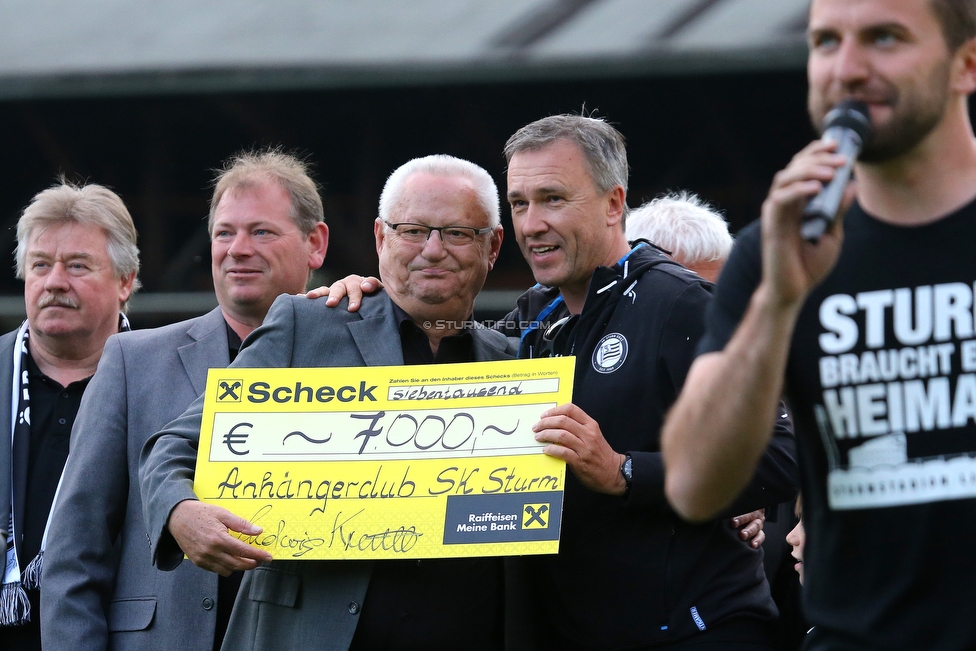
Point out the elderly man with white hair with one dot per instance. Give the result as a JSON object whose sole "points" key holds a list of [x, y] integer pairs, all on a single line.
{"points": [[688, 228], [437, 236]]}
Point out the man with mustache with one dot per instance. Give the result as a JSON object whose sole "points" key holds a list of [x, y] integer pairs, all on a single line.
{"points": [[267, 234], [76, 252], [870, 333]]}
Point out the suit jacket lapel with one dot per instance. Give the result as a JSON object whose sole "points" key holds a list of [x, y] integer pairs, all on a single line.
{"points": [[488, 348], [377, 335], [208, 348]]}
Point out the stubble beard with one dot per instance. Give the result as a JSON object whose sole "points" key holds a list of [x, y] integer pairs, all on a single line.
{"points": [[914, 116]]}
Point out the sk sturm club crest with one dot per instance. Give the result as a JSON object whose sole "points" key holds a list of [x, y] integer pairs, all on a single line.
{"points": [[610, 353]]}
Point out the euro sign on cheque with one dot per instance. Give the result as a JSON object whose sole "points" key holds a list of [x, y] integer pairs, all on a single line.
{"points": [[387, 462]]}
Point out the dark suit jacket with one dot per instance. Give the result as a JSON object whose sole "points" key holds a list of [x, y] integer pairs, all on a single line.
{"points": [[100, 589], [288, 604], [6, 463]]}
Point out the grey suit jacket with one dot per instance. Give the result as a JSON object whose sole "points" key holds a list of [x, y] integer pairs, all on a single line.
{"points": [[6, 461], [99, 588], [288, 604]]}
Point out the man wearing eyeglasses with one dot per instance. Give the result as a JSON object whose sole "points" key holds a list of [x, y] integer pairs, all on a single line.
{"points": [[437, 236], [629, 572]]}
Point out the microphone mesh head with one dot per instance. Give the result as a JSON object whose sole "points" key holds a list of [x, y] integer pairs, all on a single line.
{"points": [[850, 114]]}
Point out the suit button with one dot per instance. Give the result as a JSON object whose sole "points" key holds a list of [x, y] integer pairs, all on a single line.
{"points": [[353, 608], [208, 603]]}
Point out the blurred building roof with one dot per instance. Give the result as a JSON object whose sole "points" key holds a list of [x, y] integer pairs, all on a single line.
{"points": [[64, 48]]}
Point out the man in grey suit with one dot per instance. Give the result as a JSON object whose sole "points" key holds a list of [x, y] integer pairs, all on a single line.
{"points": [[100, 588], [437, 236], [77, 255]]}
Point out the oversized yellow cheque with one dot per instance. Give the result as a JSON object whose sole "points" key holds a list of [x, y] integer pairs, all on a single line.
{"points": [[387, 462]]}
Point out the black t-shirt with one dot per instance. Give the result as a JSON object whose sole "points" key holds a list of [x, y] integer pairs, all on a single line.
{"points": [[881, 379]]}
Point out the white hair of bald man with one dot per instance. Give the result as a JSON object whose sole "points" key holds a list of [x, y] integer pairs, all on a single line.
{"points": [[683, 224], [447, 166]]}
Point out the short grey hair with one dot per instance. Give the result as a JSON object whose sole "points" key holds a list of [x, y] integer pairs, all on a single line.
{"points": [[684, 225], [247, 169], [88, 205], [603, 147], [442, 165]]}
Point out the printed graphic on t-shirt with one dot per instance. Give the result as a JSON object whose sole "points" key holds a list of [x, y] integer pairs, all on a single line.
{"points": [[898, 379]]}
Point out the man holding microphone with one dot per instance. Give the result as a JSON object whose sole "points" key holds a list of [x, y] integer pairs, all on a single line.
{"points": [[869, 331]]}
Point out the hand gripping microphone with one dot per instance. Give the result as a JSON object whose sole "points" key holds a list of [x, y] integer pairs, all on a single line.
{"points": [[849, 125]]}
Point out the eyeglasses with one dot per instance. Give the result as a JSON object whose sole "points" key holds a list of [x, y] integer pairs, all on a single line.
{"points": [[450, 235]]}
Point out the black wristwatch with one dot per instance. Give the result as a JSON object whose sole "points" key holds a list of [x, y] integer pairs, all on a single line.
{"points": [[627, 470]]}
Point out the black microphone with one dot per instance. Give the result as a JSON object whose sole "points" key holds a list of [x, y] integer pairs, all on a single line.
{"points": [[849, 125]]}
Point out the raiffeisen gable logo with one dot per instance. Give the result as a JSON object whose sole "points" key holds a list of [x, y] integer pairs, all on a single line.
{"points": [[229, 390], [502, 518], [300, 392]]}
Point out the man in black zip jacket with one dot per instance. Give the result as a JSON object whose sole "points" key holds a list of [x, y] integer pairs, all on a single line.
{"points": [[630, 574]]}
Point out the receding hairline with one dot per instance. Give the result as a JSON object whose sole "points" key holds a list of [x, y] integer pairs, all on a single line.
{"points": [[470, 187], [446, 166], [252, 183], [534, 147], [249, 169], [550, 189]]}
